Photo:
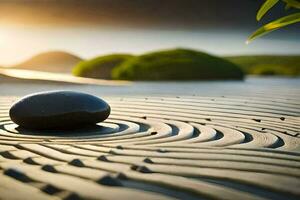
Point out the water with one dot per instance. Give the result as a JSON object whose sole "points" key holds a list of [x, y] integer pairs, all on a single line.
{"points": [[253, 86]]}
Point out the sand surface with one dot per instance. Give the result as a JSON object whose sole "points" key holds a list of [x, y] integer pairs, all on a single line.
{"points": [[163, 140]]}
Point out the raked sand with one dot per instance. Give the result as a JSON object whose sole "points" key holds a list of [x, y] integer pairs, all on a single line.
{"points": [[163, 140]]}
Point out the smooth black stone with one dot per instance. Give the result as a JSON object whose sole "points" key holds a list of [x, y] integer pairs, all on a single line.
{"points": [[59, 110]]}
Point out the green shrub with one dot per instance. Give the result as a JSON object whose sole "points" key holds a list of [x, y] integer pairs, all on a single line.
{"points": [[268, 65], [99, 67], [177, 64]]}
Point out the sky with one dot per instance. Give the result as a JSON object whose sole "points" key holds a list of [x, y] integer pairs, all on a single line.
{"points": [[89, 28]]}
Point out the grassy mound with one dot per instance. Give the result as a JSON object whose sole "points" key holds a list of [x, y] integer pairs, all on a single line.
{"points": [[100, 67], [268, 65], [177, 64]]}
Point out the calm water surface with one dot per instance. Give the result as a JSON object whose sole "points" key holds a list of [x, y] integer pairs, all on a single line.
{"points": [[281, 87]]}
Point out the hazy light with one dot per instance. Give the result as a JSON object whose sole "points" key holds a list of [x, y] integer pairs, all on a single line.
{"points": [[18, 43], [3, 35], [37, 75]]}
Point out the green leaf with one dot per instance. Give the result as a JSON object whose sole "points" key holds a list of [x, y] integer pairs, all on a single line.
{"points": [[287, 7], [279, 23], [265, 8], [292, 3]]}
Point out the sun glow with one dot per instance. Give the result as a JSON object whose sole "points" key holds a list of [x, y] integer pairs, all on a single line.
{"points": [[19, 42], [16, 43], [3, 36]]}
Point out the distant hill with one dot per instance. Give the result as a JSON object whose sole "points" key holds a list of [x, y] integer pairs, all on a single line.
{"points": [[177, 64], [172, 64], [101, 66], [268, 64], [54, 61]]}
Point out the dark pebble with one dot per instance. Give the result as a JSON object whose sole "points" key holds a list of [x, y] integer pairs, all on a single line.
{"points": [[110, 181], [59, 110]]}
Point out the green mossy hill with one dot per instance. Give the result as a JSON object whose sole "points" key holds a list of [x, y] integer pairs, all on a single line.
{"points": [[100, 67], [268, 65], [177, 64]]}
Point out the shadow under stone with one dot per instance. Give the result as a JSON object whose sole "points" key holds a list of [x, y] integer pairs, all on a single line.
{"points": [[88, 130]]}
